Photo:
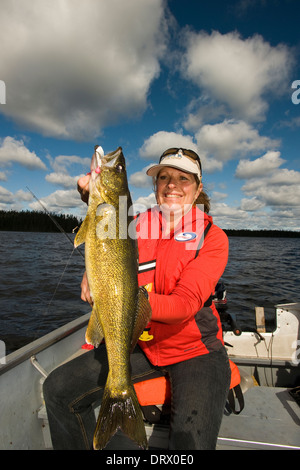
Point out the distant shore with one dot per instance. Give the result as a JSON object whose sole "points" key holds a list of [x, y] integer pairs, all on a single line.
{"points": [[262, 233], [38, 221]]}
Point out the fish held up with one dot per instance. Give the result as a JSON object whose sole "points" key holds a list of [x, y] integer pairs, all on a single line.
{"points": [[121, 308]]}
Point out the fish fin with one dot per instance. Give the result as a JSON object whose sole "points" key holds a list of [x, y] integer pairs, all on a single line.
{"points": [[120, 411], [94, 334], [81, 234], [142, 315]]}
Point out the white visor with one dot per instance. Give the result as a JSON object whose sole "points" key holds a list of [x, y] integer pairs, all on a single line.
{"points": [[179, 161]]}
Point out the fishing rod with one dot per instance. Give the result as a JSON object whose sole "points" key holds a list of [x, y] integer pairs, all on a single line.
{"points": [[54, 221]]}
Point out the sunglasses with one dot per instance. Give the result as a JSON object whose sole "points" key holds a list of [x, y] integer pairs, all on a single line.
{"points": [[186, 152]]}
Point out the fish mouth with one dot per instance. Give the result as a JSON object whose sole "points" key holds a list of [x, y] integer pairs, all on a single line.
{"points": [[100, 160], [97, 159], [96, 166]]}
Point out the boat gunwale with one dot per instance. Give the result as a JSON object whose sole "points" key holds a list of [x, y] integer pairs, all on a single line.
{"points": [[262, 361], [20, 355]]}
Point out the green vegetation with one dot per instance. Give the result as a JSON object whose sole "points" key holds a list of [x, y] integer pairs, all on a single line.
{"points": [[35, 221]]}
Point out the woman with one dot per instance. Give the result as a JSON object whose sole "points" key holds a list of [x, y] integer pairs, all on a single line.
{"points": [[182, 255]]}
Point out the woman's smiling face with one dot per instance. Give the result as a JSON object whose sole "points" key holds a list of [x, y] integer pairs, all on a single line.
{"points": [[176, 188]]}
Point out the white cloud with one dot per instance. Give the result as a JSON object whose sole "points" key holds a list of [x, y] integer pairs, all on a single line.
{"points": [[22, 195], [275, 195], [155, 145], [59, 201], [285, 177], [209, 164], [251, 205], [237, 72], [223, 210], [250, 215], [140, 179], [199, 113], [143, 203], [230, 139], [214, 143], [6, 196], [61, 179], [61, 163], [217, 196], [14, 151], [285, 214], [62, 168], [281, 188], [73, 67], [13, 201], [259, 167]]}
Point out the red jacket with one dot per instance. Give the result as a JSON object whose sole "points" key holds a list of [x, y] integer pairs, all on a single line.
{"points": [[180, 272]]}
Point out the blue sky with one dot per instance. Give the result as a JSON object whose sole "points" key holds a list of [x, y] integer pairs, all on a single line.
{"points": [[147, 75]]}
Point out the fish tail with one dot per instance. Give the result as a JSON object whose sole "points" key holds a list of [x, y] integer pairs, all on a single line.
{"points": [[120, 411]]}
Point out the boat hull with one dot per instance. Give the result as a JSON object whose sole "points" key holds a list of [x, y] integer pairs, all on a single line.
{"points": [[21, 384]]}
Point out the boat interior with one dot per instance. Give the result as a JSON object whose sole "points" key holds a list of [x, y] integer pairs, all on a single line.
{"points": [[269, 365]]}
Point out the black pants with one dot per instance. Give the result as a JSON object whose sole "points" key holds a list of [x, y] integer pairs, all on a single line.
{"points": [[199, 390]]}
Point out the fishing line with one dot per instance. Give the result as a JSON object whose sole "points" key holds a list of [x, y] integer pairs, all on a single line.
{"points": [[60, 279], [70, 240], [37, 332], [55, 222]]}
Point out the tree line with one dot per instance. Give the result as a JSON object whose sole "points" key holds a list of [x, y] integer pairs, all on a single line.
{"points": [[36, 221], [262, 233], [39, 221]]}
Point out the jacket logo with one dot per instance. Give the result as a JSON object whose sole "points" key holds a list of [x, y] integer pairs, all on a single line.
{"points": [[185, 236]]}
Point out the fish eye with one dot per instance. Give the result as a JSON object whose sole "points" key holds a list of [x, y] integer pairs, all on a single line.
{"points": [[119, 168]]}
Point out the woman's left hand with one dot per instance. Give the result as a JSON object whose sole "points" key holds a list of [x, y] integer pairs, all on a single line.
{"points": [[83, 187]]}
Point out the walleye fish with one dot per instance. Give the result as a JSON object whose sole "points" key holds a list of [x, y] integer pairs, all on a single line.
{"points": [[121, 309]]}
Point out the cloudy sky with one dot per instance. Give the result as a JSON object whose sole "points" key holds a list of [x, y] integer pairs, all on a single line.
{"points": [[222, 78]]}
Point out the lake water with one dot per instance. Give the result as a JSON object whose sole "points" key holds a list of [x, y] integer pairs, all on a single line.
{"points": [[40, 278]]}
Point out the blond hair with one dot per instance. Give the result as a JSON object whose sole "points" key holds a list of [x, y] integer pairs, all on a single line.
{"points": [[203, 198]]}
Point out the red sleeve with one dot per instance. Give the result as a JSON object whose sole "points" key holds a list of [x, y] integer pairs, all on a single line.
{"points": [[197, 282]]}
